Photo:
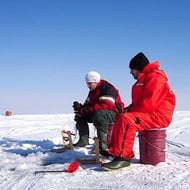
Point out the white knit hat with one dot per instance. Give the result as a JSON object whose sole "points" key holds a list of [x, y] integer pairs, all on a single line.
{"points": [[92, 76]]}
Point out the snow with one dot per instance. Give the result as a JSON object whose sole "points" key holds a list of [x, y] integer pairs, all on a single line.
{"points": [[27, 140]]}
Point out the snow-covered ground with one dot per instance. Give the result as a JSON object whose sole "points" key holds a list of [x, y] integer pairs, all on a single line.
{"points": [[26, 142]]}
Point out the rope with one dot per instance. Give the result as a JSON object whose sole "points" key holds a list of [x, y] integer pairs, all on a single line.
{"points": [[156, 147], [159, 149]]}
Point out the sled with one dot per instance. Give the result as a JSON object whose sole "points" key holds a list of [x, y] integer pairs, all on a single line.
{"points": [[68, 145], [67, 142]]}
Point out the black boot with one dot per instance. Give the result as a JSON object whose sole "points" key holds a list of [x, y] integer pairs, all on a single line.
{"points": [[103, 140], [83, 135], [83, 141], [115, 164]]}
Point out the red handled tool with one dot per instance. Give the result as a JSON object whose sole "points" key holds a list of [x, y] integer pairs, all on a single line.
{"points": [[72, 167]]}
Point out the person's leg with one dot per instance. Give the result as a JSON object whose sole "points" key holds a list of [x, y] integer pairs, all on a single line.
{"points": [[83, 128], [124, 132], [101, 119], [123, 137]]}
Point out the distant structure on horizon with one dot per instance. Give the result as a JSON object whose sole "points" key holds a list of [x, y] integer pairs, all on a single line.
{"points": [[8, 113]]}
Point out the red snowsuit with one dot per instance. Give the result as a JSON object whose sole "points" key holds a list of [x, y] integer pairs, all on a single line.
{"points": [[152, 106]]}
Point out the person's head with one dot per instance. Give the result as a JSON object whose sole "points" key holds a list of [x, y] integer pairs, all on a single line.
{"points": [[137, 64], [92, 79]]}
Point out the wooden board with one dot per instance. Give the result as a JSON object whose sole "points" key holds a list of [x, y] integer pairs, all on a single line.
{"points": [[89, 161]]}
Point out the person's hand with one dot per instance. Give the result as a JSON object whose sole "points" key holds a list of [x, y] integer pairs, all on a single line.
{"points": [[85, 109], [77, 118], [80, 109], [76, 106]]}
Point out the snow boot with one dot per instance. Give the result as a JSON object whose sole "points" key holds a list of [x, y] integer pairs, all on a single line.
{"points": [[115, 164], [83, 141], [102, 140], [83, 135]]}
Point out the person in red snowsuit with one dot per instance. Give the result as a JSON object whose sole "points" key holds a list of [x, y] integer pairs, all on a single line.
{"points": [[152, 106]]}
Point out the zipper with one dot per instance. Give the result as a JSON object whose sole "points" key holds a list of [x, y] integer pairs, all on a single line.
{"points": [[124, 136]]}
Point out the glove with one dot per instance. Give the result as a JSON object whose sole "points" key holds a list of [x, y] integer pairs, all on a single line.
{"points": [[77, 118], [79, 109], [85, 109], [77, 106]]}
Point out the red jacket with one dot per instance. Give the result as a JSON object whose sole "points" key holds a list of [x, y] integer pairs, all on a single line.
{"points": [[104, 97], [151, 93]]}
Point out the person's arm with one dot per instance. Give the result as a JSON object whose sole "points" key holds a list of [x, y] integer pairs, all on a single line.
{"points": [[107, 97], [154, 91]]}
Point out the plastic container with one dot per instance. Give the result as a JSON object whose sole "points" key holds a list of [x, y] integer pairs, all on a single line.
{"points": [[152, 144]]}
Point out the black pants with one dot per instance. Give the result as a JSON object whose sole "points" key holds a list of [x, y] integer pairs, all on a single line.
{"points": [[100, 119]]}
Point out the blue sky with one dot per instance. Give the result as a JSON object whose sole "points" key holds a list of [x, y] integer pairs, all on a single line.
{"points": [[47, 47]]}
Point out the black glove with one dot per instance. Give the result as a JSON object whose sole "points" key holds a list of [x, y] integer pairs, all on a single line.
{"points": [[79, 109], [85, 109], [77, 106], [77, 118]]}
